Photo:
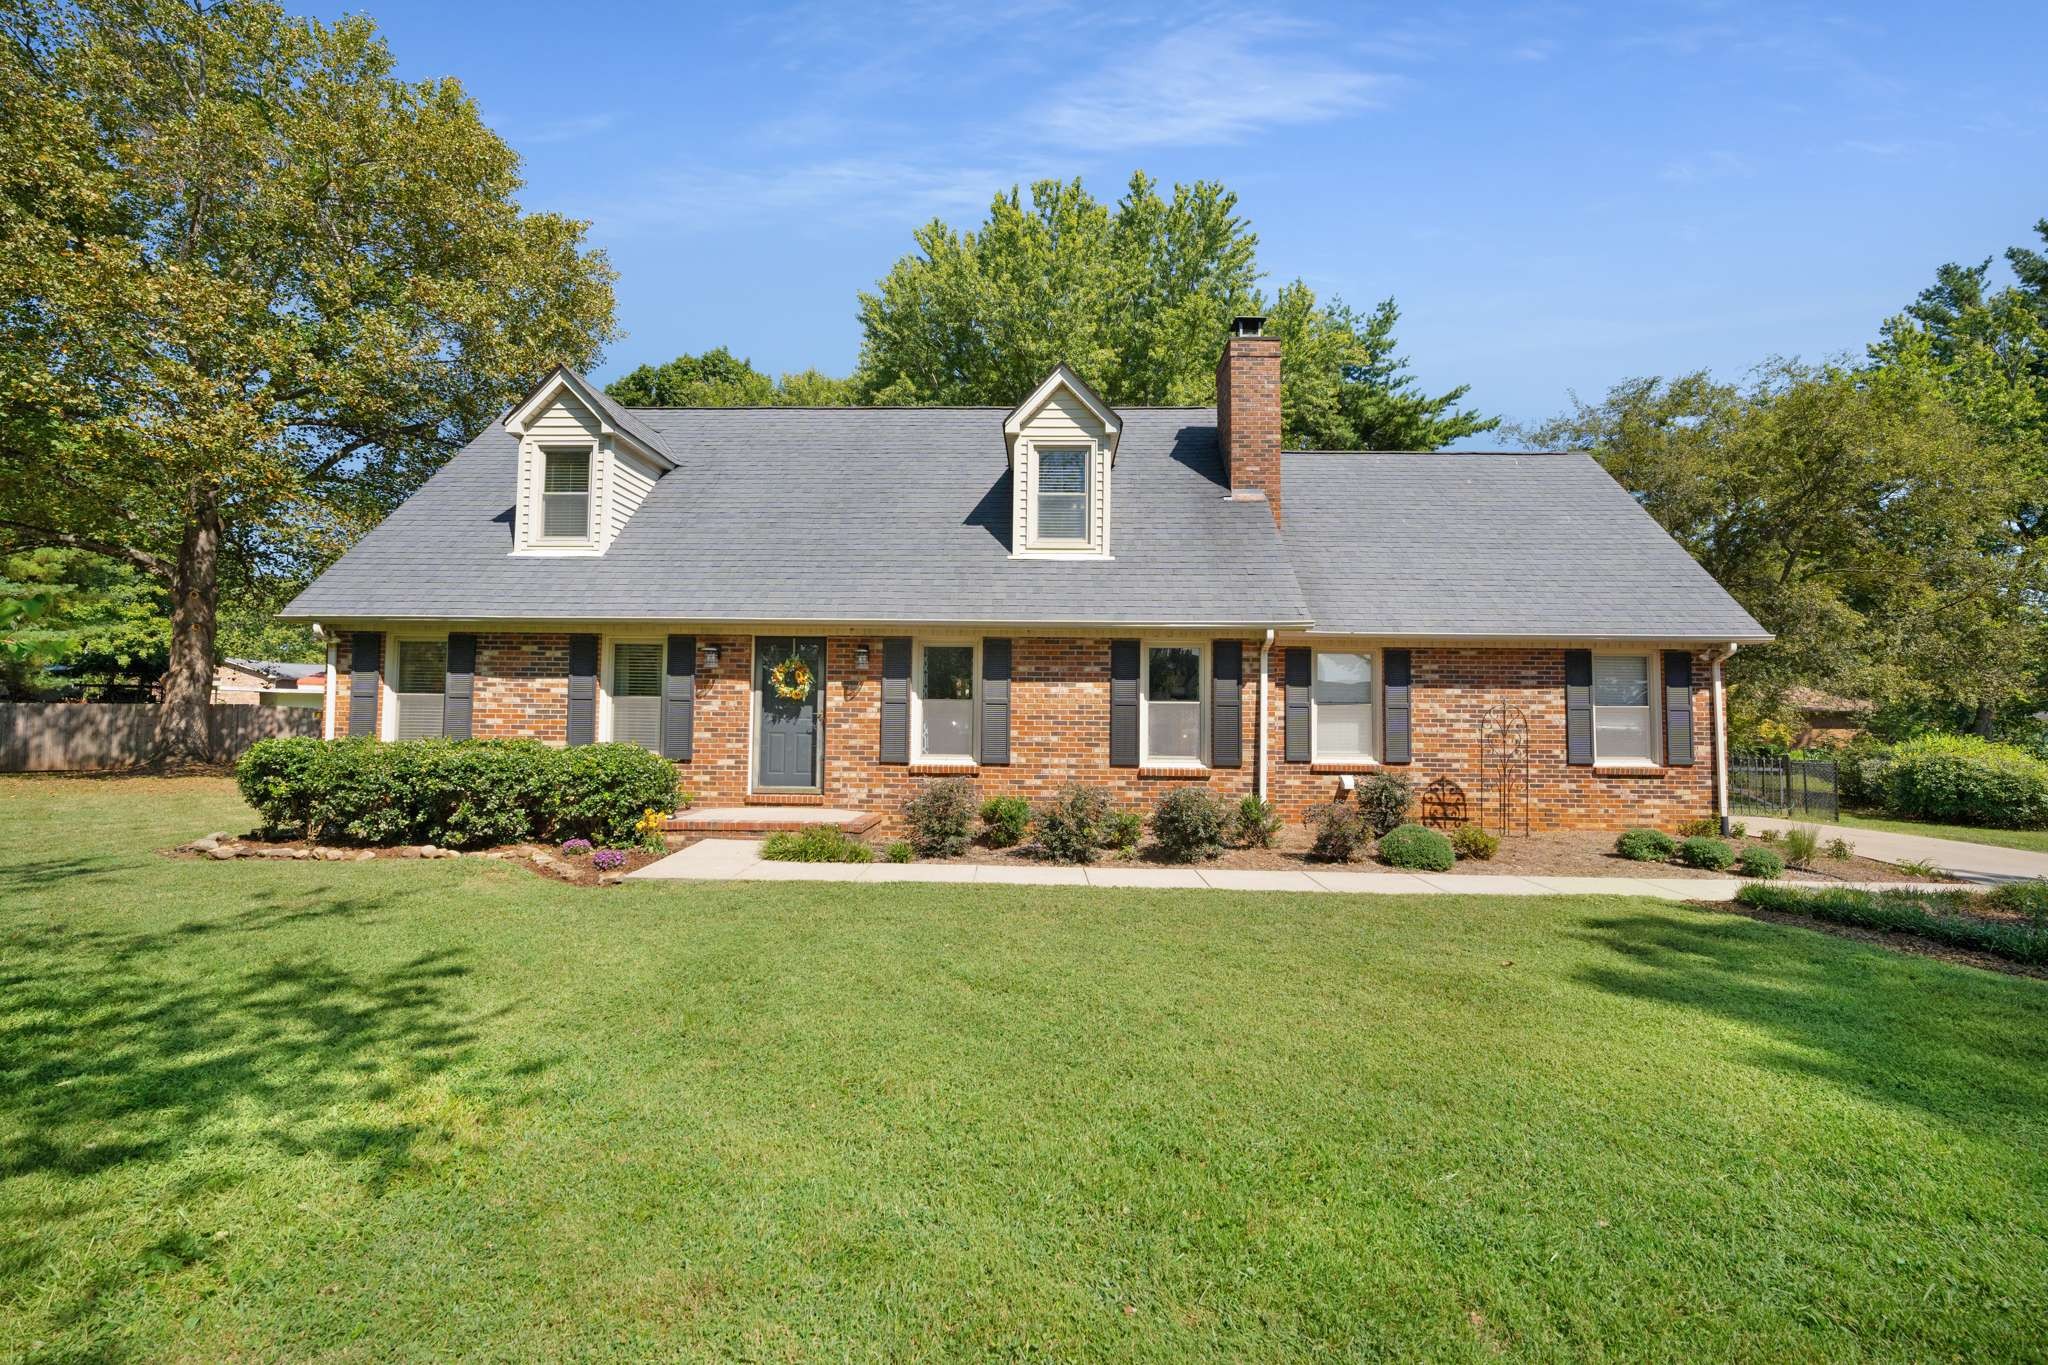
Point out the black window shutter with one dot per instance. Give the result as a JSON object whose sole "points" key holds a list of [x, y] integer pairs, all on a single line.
{"points": [[1297, 664], [582, 689], [679, 699], [458, 701], [1678, 708], [365, 679], [1226, 706], [1123, 703], [995, 701], [1578, 707], [1400, 677], [896, 699]]}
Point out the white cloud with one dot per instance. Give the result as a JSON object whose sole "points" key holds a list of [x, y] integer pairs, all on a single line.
{"points": [[823, 193]]}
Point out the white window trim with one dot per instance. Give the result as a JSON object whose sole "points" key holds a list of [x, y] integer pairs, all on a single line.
{"points": [[1378, 693], [1088, 493], [387, 717], [1652, 662], [1207, 683], [605, 667], [539, 539], [917, 649]]}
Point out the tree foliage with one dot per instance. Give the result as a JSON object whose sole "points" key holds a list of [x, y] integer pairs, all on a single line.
{"points": [[719, 379], [254, 289], [1136, 299]]}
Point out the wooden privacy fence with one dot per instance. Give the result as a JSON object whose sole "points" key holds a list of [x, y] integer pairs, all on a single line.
{"points": [[55, 737]]}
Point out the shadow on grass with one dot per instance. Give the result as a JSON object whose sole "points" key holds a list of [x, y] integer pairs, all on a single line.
{"points": [[1969, 1049]]}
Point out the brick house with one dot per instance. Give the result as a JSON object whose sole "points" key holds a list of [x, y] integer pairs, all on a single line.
{"points": [[835, 605]]}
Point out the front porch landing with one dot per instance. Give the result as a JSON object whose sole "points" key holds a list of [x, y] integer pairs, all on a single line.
{"points": [[768, 819]]}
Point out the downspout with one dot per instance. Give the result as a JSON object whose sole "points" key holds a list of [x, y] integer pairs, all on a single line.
{"points": [[1265, 656], [1721, 737]]}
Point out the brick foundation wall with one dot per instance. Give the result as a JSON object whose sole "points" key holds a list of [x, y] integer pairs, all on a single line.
{"points": [[1060, 730]]}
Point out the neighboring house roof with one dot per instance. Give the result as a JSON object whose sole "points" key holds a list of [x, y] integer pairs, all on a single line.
{"points": [[833, 514], [275, 670], [1487, 545]]}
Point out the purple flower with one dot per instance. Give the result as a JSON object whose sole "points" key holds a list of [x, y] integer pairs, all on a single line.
{"points": [[605, 859], [575, 848]]}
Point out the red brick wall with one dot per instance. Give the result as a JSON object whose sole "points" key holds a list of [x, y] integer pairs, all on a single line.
{"points": [[1060, 729], [1248, 415]]}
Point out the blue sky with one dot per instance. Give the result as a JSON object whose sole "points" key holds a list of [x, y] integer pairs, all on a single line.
{"points": [[1558, 196]]}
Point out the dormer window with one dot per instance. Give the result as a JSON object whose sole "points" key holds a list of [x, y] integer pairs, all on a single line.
{"points": [[1062, 443], [565, 495]]}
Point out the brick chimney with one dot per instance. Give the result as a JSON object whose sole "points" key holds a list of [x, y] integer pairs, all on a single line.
{"points": [[1248, 411]]}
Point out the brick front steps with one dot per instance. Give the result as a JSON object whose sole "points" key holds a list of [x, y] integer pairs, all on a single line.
{"points": [[772, 819]]}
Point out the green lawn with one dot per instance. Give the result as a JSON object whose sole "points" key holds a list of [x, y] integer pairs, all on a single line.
{"points": [[2032, 840], [425, 1109]]}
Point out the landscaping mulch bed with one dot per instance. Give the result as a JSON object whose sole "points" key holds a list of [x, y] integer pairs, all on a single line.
{"points": [[545, 859], [1895, 940], [1563, 853]]}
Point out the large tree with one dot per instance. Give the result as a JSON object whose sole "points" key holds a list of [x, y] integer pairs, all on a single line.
{"points": [[1136, 298], [254, 289], [720, 379], [1855, 513]]}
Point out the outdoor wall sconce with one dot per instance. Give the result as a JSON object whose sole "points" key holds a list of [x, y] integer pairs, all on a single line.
{"points": [[711, 656], [860, 656]]}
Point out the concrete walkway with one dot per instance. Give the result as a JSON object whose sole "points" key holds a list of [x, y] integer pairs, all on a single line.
{"points": [[740, 860], [1983, 863]]}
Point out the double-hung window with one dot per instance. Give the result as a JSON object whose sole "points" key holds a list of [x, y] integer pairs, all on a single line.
{"points": [[1341, 699], [1624, 728], [946, 704], [1172, 694], [636, 693], [1061, 513], [420, 693], [565, 495]]}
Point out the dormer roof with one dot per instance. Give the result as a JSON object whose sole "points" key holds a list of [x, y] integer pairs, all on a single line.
{"points": [[1063, 379], [615, 421]]}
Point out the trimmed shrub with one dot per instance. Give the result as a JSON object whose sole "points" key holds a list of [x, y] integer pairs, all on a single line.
{"points": [[1646, 846], [1339, 831], [1070, 826], [489, 792], [1416, 846], [1965, 780], [1470, 841], [1938, 915], [939, 817], [1004, 820], [900, 852], [1760, 862], [1707, 826], [281, 779], [1121, 830], [1383, 801], [1714, 855], [599, 790], [1188, 823], [815, 844], [1254, 822], [1802, 842]]}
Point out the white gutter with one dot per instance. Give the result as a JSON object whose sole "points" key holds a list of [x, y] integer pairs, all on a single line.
{"points": [[327, 707], [1265, 657], [1721, 737]]}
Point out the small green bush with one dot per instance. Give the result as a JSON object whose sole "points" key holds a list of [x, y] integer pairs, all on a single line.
{"points": [[1714, 855], [600, 791], [815, 844], [1802, 842], [1841, 850], [1254, 822], [1939, 915], [1760, 862], [1646, 846], [1188, 823], [939, 817], [1004, 820], [1121, 830], [900, 852], [1965, 780], [1383, 801], [1769, 836], [1418, 847], [1070, 825], [2022, 898], [1470, 841], [1706, 826], [1339, 831]]}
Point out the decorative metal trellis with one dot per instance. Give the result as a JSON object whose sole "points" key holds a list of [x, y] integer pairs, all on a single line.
{"points": [[1444, 805], [1504, 768]]}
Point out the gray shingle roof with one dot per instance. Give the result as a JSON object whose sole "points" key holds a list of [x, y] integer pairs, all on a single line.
{"points": [[833, 514], [1491, 545]]}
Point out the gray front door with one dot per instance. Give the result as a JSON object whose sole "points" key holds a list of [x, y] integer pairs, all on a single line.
{"points": [[786, 730]]}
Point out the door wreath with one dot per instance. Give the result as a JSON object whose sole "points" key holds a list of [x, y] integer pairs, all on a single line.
{"points": [[791, 679]]}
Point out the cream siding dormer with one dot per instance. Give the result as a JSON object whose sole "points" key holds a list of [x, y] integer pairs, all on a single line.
{"points": [[585, 466], [1062, 445]]}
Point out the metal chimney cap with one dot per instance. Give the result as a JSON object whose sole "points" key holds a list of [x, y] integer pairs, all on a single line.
{"points": [[1247, 325]]}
